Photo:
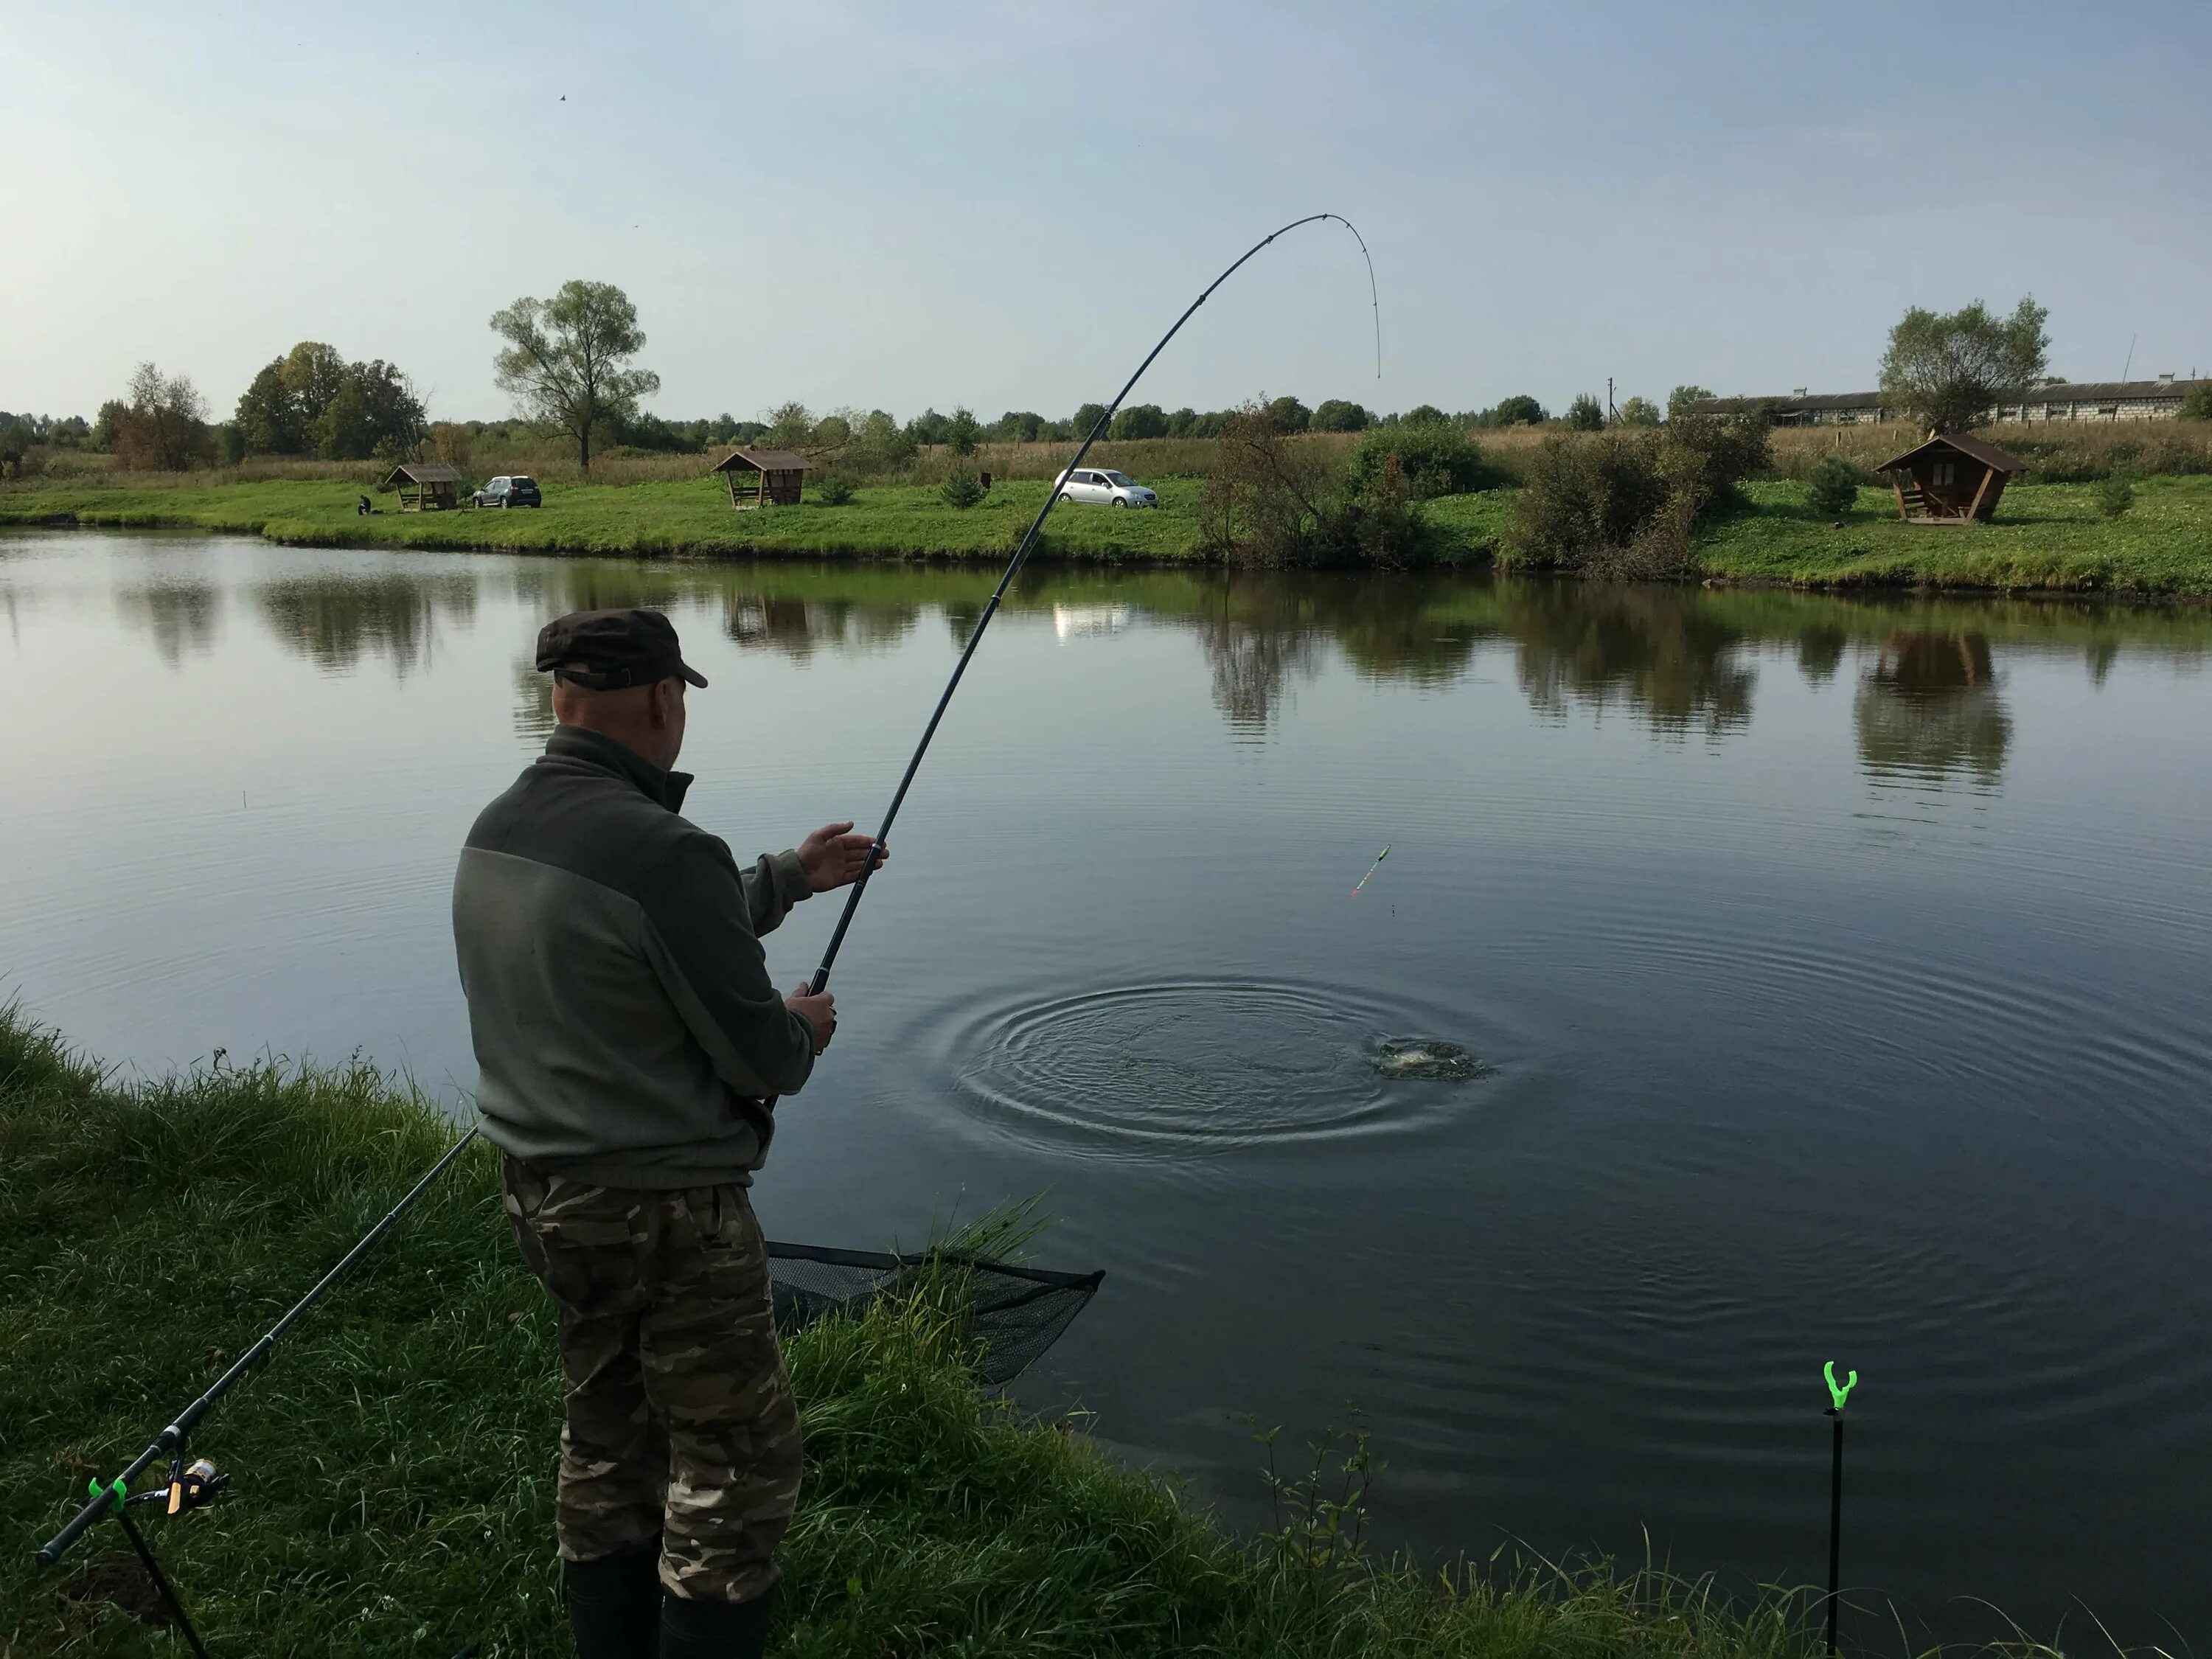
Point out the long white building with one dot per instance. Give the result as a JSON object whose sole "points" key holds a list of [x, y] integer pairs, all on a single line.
{"points": [[2059, 400]]}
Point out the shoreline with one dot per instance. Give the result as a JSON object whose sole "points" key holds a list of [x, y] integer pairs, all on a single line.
{"points": [[2051, 543], [390, 1457]]}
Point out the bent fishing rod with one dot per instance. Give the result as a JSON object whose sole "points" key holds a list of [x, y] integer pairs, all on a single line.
{"points": [[1022, 550], [189, 1489]]}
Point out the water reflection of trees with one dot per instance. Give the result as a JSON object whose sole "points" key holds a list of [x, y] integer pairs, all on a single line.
{"points": [[1658, 650], [334, 620], [533, 698], [797, 629], [1929, 707], [180, 617]]}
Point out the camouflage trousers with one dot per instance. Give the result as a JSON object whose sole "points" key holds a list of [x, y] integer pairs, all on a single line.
{"points": [[680, 1420]]}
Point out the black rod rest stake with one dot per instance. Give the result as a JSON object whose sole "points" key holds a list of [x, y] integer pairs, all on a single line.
{"points": [[1839, 1392]]}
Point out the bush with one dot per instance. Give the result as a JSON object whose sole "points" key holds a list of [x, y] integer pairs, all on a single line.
{"points": [[2115, 496], [833, 489], [962, 489], [1276, 502], [1434, 458], [1835, 486], [1623, 502]]}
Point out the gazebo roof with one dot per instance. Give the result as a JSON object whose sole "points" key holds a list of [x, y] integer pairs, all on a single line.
{"points": [[1963, 443], [423, 472], [764, 460]]}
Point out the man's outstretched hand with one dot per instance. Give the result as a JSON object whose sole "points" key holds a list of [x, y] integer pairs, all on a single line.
{"points": [[833, 856]]}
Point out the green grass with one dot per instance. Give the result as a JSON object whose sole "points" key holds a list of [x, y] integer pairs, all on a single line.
{"points": [[2044, 536], [2048, 537], [690, 518], [392, 1460]]}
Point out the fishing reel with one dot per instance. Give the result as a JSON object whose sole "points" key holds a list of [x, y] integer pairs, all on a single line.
{"points": [[192, 1485]]}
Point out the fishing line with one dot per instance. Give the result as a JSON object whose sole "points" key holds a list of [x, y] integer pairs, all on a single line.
{"points": [[1028, 541]]}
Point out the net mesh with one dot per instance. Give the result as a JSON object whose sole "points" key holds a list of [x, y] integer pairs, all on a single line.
{"points": [[1014, 1313]]}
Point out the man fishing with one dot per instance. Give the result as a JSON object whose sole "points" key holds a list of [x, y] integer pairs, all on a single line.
{"points": [[631, 1046]]}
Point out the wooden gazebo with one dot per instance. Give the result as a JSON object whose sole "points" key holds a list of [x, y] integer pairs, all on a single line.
{"points": [[763, 478], [1953, 478], [425, 486]]}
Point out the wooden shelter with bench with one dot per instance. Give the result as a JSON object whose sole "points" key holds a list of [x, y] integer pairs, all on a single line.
{"points": [[763, 478], [1953, 478], [425, 486]]}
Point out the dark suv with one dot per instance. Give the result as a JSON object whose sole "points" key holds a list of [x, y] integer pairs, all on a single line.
{"points": [[507, 492]]}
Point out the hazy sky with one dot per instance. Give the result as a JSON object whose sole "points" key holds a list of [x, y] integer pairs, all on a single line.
{"points": [[1002, 206]]}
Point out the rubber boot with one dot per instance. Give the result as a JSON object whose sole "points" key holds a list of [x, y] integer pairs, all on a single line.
{"points": [[715, 1630], [614, 1604]]}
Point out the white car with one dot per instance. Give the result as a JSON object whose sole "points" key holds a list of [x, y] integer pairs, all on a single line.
{"points": [[1104, 488]]}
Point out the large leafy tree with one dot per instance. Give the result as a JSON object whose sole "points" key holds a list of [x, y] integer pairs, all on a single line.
{"points": [[1682, 397], [312, 402], [566, 361], [1949, 370], [163, 427]]}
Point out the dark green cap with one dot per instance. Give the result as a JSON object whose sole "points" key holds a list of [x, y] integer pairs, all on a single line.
{"points": [[607, 650]]}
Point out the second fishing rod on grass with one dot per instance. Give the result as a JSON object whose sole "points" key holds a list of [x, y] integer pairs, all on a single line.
{"points": [[110, 1497]]}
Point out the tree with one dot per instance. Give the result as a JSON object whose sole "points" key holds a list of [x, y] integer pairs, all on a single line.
{"points": [[1834, 487], [1424, 415], [1289, 415], [1521, 409], [564, 361], [880, 445], [2198, 405], [343, 432], [163, 427], [1087, 417], [1682, 397], [1583, 415], [1950, 370], [268, 417], [1182, 423], [107, 423], [790, 426], [962, 430], [1141, 421], [1639, 411], [1335, 415], [1019, 426], [312, 401], [313, 373]]}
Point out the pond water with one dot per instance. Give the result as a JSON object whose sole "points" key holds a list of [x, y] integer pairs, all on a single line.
{"points": [[1816, 979]]}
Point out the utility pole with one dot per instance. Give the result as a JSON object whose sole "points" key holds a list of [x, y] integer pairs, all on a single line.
{"points": [[1611, 414]]}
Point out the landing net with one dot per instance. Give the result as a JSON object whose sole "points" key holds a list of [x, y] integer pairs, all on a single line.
{"points": [[1013, 1313]]}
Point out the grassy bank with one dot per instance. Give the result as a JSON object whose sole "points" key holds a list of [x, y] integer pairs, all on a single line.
{"points": [[691, 519], [2046, 537], [2049, 535], [393, 1461]]}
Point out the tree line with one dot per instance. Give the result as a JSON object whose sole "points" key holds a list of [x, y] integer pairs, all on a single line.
{"points": [[568, 362]]}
